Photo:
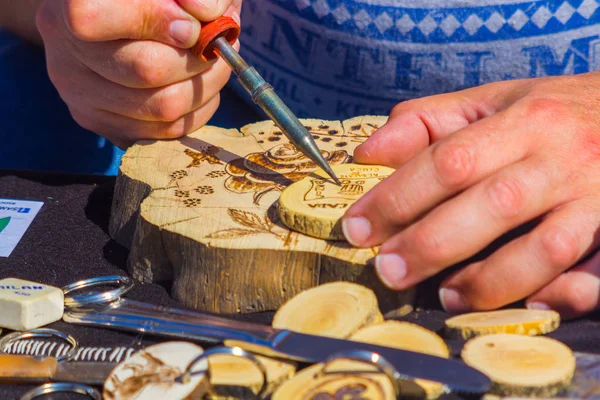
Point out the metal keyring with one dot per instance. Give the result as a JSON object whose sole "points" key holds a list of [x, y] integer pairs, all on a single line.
{"points": [[13, 337], [234, 351], [367, 357], [49, 388], [123, 283]]}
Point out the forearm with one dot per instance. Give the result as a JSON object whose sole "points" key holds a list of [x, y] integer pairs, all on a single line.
{"points": [[18, 17]]}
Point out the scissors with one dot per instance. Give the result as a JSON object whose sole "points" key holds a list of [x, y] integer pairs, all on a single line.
{"points": [[110, 309]]}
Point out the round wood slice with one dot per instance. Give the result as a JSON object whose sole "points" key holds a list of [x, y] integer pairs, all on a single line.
{"points": [[340, 382], [150, 374], [201, 211], [315, 205], [336, 309], [521, 365], [408, 336], [236, 378], [519, 321]]}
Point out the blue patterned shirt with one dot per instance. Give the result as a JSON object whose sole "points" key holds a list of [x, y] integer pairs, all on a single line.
{"points": [[330, 59]]}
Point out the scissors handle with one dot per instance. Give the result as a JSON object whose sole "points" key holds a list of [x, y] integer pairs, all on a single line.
{"points": [[108, 309]]}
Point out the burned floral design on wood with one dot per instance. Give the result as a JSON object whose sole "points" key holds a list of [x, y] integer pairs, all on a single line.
{"points": [[260, 173], [207, 154], [366, 390], [360, 132], [274, 169], [252, 224], [154, 371]]}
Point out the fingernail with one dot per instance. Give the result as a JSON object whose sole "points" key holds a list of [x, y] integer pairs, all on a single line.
{"points": [[538, 306], [452, 301], [181, 31], [391, 269], [356, 230]]}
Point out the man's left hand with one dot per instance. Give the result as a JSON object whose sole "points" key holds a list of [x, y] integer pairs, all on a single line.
{"points": [[472, 166]]}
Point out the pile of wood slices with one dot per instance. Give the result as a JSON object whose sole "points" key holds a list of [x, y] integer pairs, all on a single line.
{"points": [[506, 345]]}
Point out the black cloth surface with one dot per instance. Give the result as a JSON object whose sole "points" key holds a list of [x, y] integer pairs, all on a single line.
{"points": [[69, 241]]}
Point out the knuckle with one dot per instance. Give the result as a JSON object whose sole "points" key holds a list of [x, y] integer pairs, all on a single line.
{"points": [[453, 164], [428, 244], [487, 292], [80, 16], [590, 143], [505, 197], [544, 109], [147, 67], [170, 105], [485, 299], [560, 247], [580, 294], [393, 206]]}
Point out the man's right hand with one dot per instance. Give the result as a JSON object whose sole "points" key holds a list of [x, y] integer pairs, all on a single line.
{"points": [[124, 68]]}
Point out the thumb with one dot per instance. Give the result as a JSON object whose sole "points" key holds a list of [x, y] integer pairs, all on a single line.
{"points": [[103, 20]]}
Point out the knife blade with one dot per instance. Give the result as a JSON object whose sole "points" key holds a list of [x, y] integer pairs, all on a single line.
{"points": [[129, 315], [33, 370]]}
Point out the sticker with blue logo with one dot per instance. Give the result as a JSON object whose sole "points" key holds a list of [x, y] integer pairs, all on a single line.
{"points": [[336, 59], [15, 218]]}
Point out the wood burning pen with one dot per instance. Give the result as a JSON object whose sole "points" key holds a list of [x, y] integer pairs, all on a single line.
{"points": [[216, 39]]}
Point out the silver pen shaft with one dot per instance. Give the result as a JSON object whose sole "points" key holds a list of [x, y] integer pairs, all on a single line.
{"points": [[263, 94]]}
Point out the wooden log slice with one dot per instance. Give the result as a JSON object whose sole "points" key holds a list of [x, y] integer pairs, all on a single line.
{"points": [[521, 365], [150, 374], [315, 205], [201, 211], [408, 336], [519, 321], [336, 309], [234, 378]]}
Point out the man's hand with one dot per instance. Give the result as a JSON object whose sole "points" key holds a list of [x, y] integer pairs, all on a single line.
{"points": [[472, 166], [124, 68]]}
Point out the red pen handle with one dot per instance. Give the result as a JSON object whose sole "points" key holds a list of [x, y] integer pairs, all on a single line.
{"points": [[223, 26]]}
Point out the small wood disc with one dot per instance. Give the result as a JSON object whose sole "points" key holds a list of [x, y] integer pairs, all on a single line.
{"points": [[315, 204], [150, 374], [232, 377], [343, 380], [336, 309], [521, 365], [519, 321], [408, 336]]}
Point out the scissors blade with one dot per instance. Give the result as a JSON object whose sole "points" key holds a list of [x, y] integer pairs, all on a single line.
{"points": [[91, 373]]}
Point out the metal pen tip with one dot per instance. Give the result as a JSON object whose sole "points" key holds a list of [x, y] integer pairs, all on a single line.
{"points": [[332, 175]]}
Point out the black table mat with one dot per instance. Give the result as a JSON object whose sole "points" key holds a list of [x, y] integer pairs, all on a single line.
{"points": [[69, 241]]}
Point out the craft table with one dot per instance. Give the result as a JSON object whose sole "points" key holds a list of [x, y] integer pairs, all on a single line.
{"points": [[69, 241]]}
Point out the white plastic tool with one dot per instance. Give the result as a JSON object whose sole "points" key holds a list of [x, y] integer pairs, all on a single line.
{"points": [[28, 305]]}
